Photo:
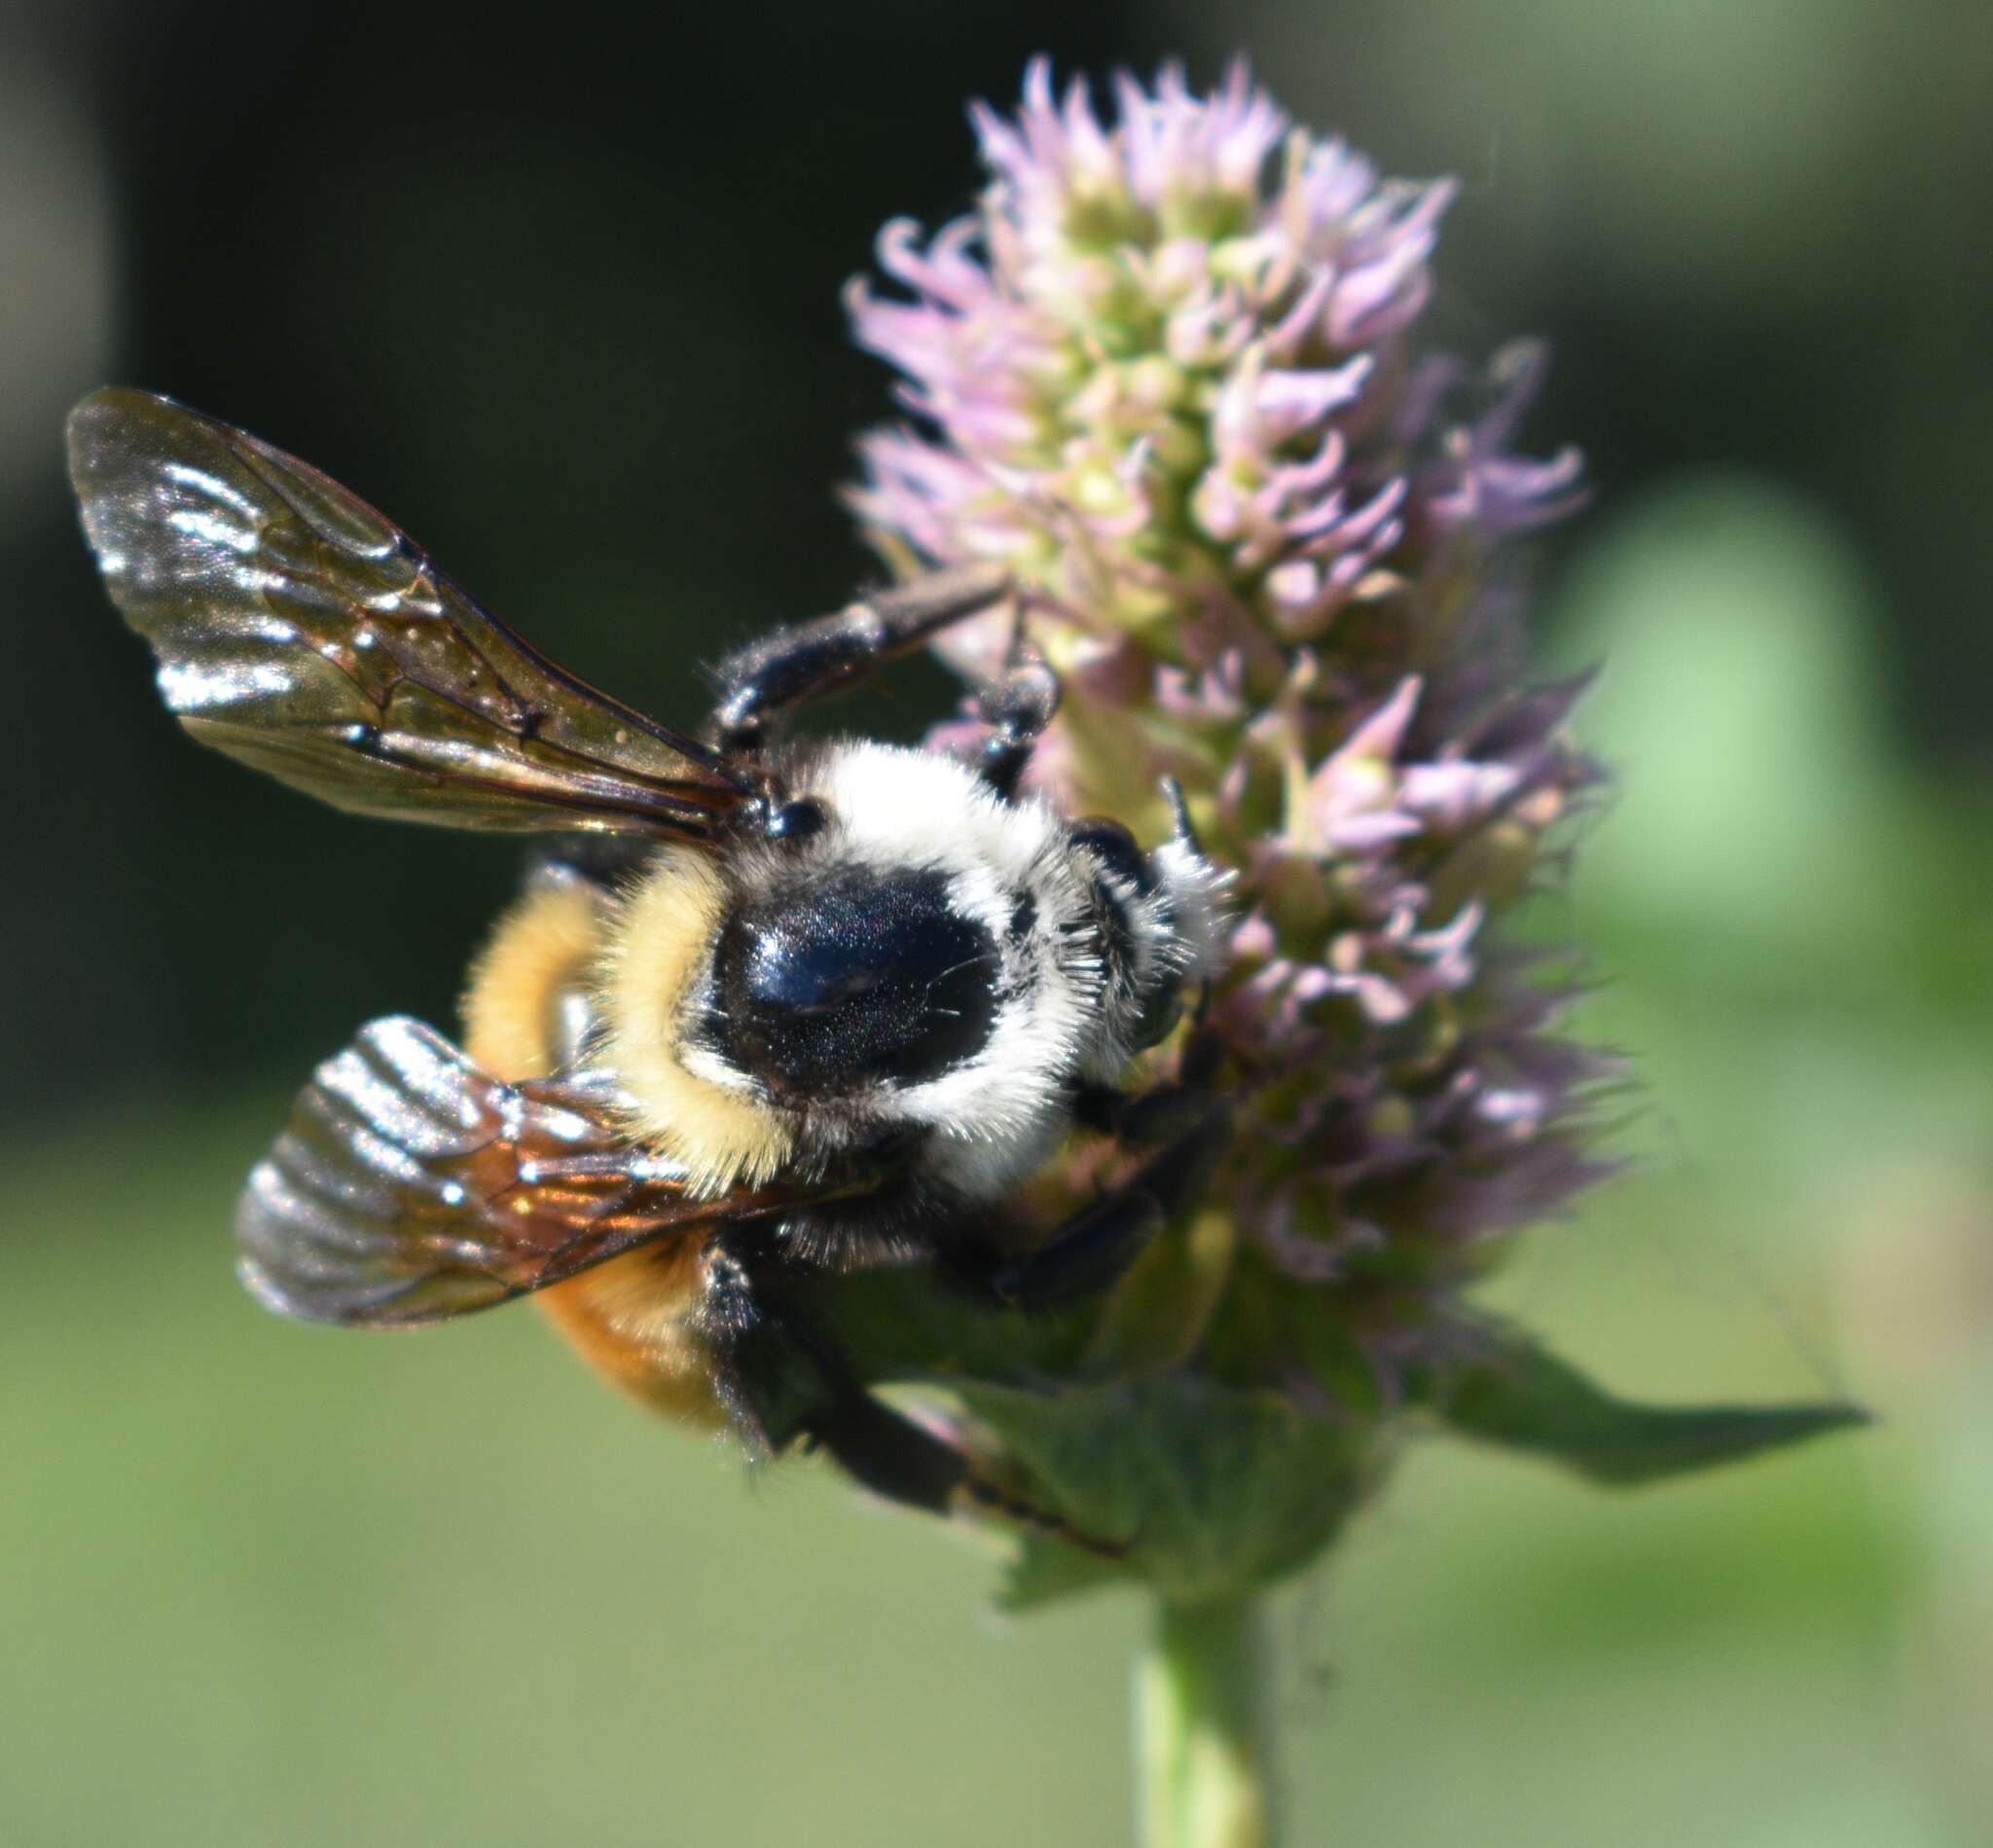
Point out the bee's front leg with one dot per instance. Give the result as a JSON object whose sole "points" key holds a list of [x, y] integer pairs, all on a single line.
{"points": [[1088, 1253], [1143, 1119]]}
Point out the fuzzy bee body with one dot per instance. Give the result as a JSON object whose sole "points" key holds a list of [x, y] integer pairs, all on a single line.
{"points": [[1001, 968], [829, 1005], [933, 962]]}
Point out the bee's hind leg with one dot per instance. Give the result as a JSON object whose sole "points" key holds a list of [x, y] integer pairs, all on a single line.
{"points": [[781, 1384], [888, 1453]]}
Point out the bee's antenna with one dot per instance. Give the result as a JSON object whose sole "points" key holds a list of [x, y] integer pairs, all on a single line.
{"points": [[1179, 816]]}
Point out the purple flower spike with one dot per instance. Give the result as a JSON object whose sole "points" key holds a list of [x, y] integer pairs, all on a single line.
{"points": [[1170, 371]]}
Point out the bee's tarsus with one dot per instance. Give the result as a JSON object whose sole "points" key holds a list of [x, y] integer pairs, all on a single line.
{"points": [[808, 660], [985, 1494]]}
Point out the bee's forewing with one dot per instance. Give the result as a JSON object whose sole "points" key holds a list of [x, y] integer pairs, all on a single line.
{"points": [[298, 631]]}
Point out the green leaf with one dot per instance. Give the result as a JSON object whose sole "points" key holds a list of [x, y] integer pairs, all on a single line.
{"points": [[1214, 1492], [1524, 1399], [902, 1325], [1047, 1570]]}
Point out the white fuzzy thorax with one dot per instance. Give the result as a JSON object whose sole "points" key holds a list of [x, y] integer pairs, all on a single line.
{"points": [[1000, 1114]]}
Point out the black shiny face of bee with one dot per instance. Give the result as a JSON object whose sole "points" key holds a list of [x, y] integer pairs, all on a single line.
{"points": [[858, 977]]}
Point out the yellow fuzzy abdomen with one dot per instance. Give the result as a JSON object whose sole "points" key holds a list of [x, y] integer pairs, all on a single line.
{"points": [[628, 1318]]}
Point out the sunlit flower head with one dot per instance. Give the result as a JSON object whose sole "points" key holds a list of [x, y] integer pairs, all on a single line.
{"points": [[1170, 371]]}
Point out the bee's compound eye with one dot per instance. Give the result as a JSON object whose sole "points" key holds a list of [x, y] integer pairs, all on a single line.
{"points": [[1160, 1014], [1114, 848], [853, 978], [797, 821]]}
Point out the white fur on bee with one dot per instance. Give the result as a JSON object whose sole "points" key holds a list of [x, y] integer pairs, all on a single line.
{"points": [[1001, 1114], [1196, 891]]}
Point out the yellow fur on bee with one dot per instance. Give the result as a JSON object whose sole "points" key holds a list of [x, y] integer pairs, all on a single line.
{"points": [[543, 945], [626, 1317], [722, 1137]]}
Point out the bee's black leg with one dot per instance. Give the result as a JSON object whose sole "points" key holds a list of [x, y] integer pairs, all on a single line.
{"points": [[773, 1376], [1085, 1256], [897, 1458], [1018, 707], [1160, 1114], [889, 1454], [810, 659], [781, 1384], [1088, 1253]]}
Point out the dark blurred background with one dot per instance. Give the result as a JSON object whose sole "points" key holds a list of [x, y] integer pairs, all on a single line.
{"points": [[562, 299]]}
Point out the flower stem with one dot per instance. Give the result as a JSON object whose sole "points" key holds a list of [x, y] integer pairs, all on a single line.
{"points": [[1201, 1729]]}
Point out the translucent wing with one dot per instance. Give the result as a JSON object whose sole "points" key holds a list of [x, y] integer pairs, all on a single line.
{"points": [[410, 1186], [300, 632]]}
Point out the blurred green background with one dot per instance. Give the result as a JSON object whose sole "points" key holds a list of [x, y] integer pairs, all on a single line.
{"points": [[561, 297]]}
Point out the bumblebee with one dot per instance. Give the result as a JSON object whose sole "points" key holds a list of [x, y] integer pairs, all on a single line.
{"points": [[769, 1008]]}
